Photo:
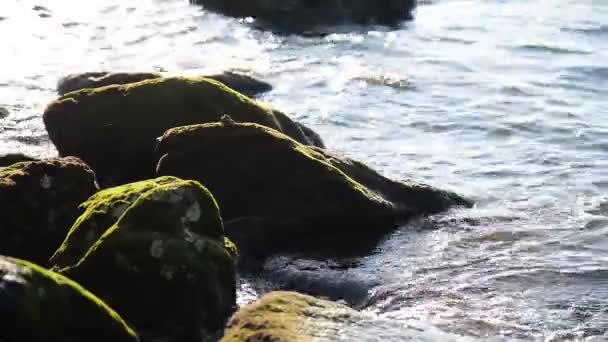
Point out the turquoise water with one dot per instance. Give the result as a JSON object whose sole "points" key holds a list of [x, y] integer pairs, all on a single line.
{"points": [[503, 101]]}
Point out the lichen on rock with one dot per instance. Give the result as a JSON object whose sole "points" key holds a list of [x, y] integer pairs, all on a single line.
{"points": [[39, 305], [289, 194], [114, 128], [168, 271], [39, 201]]}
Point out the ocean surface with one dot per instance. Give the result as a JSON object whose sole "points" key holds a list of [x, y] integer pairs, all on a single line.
{"points": [[502, 101]]}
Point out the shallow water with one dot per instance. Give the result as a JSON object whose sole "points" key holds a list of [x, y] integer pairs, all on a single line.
{"points": [[503, 101]]}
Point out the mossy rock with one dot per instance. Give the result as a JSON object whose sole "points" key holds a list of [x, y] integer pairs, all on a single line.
{"points": [[296, 194], [304, 16], [38, 305], [292, 317], [242, 83], [39, 201], [284, 317], [114, 128], [155, 251]]}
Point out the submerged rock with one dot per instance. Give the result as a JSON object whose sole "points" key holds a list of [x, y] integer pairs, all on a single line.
{"points": [[156, 252], [39, 201], [12, 158], [242, 83], [37, 305], [299, 16], [288, 196], [114, 128]]}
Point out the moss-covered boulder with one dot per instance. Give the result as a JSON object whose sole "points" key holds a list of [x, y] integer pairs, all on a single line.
{"points": [[156, 252], [292, 317], [285, 317], [114, 128], [37, 305], [12, 158], [294, 193], [301, 16], [39, 201], [242, 83]]}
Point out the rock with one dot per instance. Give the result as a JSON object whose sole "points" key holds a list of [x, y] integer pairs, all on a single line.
{"points": [[285, 317], [419, 198], [242, 83], [114, 128], [12, 158], [292, 196], [299, 16], [39, 201], [3, 112], [101, 79], [156, 252], [292, 317], [38, 305]]}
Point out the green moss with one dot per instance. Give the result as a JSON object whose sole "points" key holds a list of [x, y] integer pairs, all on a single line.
{"points": [[83, 315], [283, 317], [289, 179], [166, 245], [113, 128], [102, 213]]}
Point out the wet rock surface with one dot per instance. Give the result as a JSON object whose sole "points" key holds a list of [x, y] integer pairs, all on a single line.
{"points": [[39, 201], [155, 251], [114, 128], [40, 305], [302, 197]]}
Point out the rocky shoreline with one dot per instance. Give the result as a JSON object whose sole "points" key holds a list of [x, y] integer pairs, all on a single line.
{"points": [[165, 188]]}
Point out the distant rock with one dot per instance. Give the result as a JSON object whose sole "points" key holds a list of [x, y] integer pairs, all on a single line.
{"points": [[38, 305], [114, 128], [242, 83], [3, 112], [299, 16], [12, 158], [100, 79], [39, 201]]}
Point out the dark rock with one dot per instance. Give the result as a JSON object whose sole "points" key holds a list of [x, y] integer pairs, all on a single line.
{"points": [[298, 16], [114, 128], [3, 112], [39, 202], [38, 305], [12, 158], [292, 196], [100, 79], [242, 83], [156, 252]]}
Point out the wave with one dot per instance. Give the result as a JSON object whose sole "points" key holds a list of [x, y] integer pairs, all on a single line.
{"points": [[551, 49]]}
